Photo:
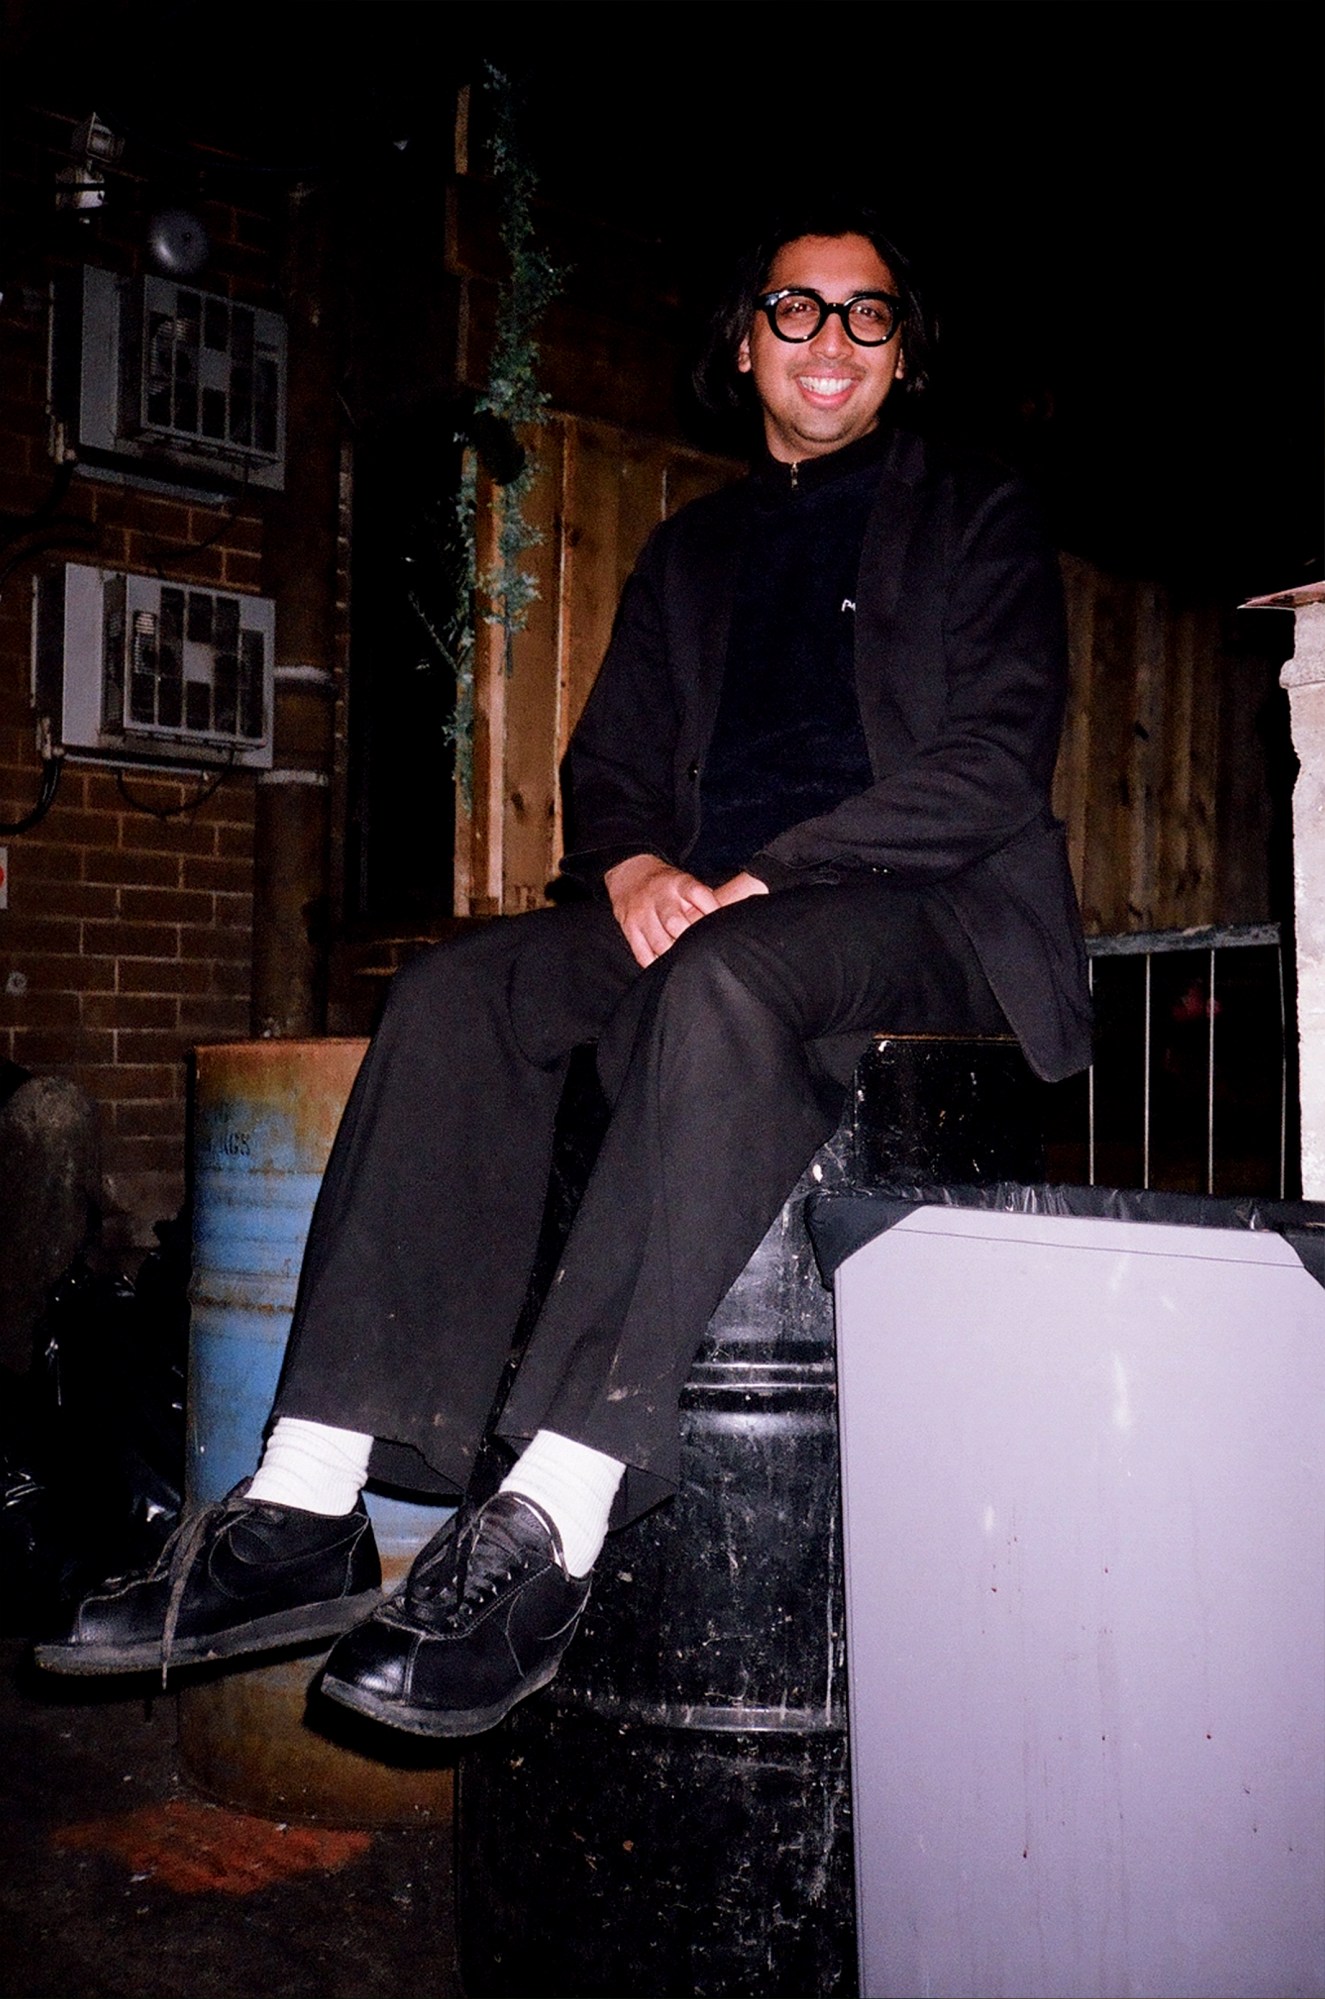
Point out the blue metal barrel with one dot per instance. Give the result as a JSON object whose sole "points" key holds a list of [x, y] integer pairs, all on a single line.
{"points": [[265, 1117]]}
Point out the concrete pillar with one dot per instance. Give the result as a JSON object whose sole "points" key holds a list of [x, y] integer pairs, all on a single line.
{"points": [[291, 927], [1304, 677]]}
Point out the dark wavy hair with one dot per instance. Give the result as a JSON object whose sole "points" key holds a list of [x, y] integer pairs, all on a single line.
{"points": [[718, 383]]}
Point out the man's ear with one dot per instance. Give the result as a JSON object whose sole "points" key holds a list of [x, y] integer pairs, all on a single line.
{"points": [[899, 373], [743, 361]]}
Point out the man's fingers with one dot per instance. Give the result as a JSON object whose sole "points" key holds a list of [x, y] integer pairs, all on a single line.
{"points": [[655, 904], [699, 896], [739, 889]]}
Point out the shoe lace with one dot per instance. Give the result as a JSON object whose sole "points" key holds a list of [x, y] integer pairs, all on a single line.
{"points": [[176, 1560], [435, 1579], [490, 1558], [468, 1566]]}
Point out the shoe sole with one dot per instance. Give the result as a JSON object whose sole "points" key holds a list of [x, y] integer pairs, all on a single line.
{"points": [[432, 1721], [306, 1625]]}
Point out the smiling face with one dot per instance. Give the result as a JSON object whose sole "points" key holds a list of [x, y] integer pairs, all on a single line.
{"points": [[820, 394]]}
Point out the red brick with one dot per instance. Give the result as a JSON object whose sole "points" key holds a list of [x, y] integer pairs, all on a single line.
{"points": [[133, 940], [235, 839], [215, 943], [141, 1050], [79, 829], [235, 804], [153, 1080], [142, 1120], [163, 976], [171, 836], [213, 1019], [24, 457], [199, 565], [242, 571], [55, 898], [167, 905], [155, 801], [234, 912], [113, 547], [36, 860], [140, 869], [62, 974], [227, 872], [45, 1010], [40, 1047], [54, 936], [234, 980], [250, 270], [18, 752], [167, 520], [101, 793], [242, 532], [17, 419], [129, 1010]]}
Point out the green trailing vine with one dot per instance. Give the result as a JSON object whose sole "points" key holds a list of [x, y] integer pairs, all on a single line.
{"points": [[503, 592]]}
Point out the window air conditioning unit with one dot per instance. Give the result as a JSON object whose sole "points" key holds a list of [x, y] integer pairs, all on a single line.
{"points": [[152, 376], [129, 668]]}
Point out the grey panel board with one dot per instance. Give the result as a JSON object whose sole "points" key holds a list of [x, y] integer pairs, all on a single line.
{"points": [[1085, 1525]]}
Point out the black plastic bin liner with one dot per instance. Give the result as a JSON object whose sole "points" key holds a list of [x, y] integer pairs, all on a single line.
{"points": [[842, 1223]]}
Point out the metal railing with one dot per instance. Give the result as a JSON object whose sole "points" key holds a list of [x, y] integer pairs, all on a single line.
{"points": [[1205, 1097]]}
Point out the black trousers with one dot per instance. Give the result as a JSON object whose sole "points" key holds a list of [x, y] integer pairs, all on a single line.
{"points": [[725, 1064]]}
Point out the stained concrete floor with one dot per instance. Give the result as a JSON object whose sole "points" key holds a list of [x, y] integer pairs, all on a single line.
{"points": [[120, 1881]]}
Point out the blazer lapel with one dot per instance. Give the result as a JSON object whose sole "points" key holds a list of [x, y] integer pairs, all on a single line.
{"points": [[888, 535], [706, 587]]}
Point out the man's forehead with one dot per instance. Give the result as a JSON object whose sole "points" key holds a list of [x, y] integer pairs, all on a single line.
{"points": [[828, 263]]}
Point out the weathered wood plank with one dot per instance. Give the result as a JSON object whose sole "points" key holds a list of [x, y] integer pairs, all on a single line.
{"points": [[592, 573], [1072, 777], [533, 698], [1145, 782]]}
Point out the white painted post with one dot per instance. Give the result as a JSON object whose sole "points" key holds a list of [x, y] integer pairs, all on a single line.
{"points": [[1304, 677]]}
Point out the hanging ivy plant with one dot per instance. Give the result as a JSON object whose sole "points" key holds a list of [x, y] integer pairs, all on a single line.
{"points": [[503, 592]]}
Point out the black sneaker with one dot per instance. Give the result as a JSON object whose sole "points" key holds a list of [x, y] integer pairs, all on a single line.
{"points": [[481, 1621], [240, 1576]]}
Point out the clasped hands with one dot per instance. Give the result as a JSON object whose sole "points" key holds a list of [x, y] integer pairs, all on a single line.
{"points": [[655, 903]]}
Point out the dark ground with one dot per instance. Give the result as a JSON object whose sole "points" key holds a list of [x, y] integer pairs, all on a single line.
{"points": [[119, 1879]]}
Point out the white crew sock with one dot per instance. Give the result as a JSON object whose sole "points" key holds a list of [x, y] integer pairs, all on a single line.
{"points": [[311, 1466], [575, 1487]]}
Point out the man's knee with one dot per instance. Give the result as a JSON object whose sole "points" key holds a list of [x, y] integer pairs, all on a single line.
{"points": [[718, 970], [479, 957]]}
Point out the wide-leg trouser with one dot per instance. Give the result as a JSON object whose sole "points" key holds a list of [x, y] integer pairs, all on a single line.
{"points": [[725, 1065]]}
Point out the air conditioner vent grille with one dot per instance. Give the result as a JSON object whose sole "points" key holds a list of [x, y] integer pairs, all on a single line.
{"points": [[211, 371], [155, 669], [151, 378]]}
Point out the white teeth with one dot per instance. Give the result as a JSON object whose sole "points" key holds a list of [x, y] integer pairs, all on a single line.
{"points": [[825, 385]]}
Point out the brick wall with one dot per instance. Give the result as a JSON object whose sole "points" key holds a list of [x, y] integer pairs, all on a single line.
{"points": [[128, 935]]}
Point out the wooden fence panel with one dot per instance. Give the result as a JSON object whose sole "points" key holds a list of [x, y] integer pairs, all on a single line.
{"points": [[597, 493], [1162, 780]]}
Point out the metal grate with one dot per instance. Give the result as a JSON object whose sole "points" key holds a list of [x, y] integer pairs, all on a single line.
{"points": [[211, 370], [1190, 1089], [185, 663]]}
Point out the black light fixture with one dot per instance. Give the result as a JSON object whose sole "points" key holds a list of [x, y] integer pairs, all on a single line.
{"points": [[177, 243], [92, 148]]}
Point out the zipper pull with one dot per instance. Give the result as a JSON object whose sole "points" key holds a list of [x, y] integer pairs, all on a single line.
{"points": [[795, 476]]}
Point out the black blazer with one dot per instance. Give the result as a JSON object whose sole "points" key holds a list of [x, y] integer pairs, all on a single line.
{"points": [[961, 677]]}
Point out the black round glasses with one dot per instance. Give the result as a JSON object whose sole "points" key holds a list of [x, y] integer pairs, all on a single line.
{"points": [[870, 318]]}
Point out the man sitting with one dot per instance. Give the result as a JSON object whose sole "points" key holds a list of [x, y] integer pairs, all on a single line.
{"points": [[809, 795]]}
